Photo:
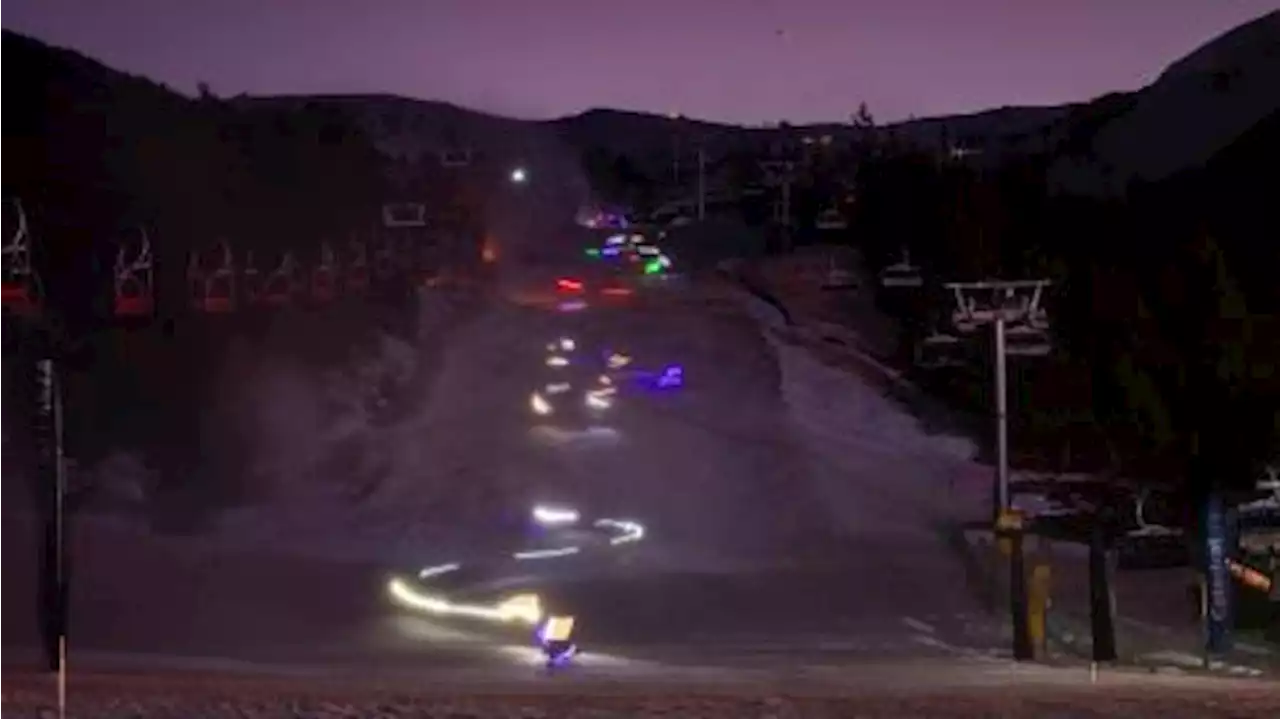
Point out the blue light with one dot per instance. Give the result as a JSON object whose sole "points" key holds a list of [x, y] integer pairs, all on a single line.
{"points": [[672, 376]]}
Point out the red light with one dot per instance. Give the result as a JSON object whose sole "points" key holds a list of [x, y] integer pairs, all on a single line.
{"points": [[568, 285]]}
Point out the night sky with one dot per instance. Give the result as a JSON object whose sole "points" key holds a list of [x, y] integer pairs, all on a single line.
{"points": [[736, 60]]}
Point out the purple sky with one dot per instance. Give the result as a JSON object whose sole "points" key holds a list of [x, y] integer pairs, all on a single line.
{"points": [[736, 60]]}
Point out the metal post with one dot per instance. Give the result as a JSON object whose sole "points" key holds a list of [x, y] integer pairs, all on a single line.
{"points": [[1023, 646], [702, 184], [1101, 604], [64, 586], [786, 201], [1002, 423], [55, 595], [675, 156]]}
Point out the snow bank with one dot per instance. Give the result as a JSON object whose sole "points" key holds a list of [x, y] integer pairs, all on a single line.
{"points": [[877, 467], [312, 445], [341, 465]]}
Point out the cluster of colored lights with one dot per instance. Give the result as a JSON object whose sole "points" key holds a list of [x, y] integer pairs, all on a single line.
{"points": [[636, 250]]}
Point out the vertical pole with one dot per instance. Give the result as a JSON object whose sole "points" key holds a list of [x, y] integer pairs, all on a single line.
{"points": [[1002, 424], [786, 197], [1023, 647], [702, 184], [1101, 609], [675, 156], [1218, 618], [64, 594]]}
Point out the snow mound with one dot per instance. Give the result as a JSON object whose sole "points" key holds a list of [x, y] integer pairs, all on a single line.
{"points": [[874, 463]]}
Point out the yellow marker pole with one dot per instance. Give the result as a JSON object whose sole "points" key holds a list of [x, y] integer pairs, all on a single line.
{"points": [[1038, 610], [1011, 524]]}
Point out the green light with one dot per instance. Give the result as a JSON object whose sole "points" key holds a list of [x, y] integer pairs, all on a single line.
{"points": [[652, 268], [593, 252]]}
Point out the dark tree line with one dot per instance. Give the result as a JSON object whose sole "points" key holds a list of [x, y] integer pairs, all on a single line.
{"points": [[1165, 303], [93, 153]]}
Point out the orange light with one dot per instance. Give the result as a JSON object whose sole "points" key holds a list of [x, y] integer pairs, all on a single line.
{"points": [[617, 291], [1249, 576]]}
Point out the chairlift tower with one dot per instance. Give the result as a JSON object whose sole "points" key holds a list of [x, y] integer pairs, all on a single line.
{"points": [[1004, 305], [780, 173]]}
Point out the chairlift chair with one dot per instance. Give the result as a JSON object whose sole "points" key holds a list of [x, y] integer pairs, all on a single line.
{"points": [[251, 281], [18, 290], [1024, 340], [964, 316], [323, 276], [385, 260], [404, 214], [902, 274], [938, 350], [357, 276], [837, 277], [457, 157], [1145, 529], [213, 291], [830, 219], [281, 286], [133, 284]]}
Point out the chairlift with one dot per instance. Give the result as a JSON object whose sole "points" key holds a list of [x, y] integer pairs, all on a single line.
{"points": [[404, 214], [457, 157], [837, 277], [251, 281], [324, 276], [20, 284], [902, 274], [1144, 528], [1023, 340], [1037, 317], [385, 261], [133, 285], [831, 219], [357, 278], [213, 291], [938, 350], [281, 286], [968, 314], [962, 317]]}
